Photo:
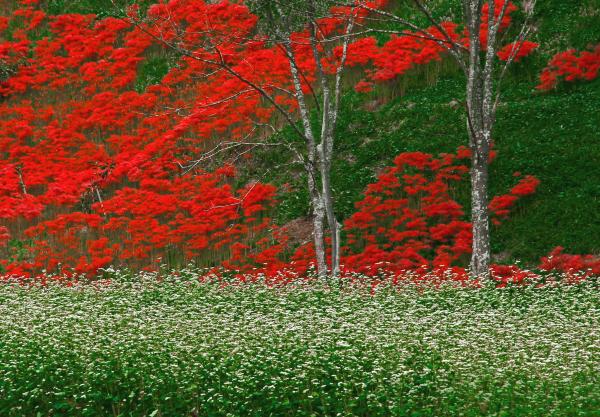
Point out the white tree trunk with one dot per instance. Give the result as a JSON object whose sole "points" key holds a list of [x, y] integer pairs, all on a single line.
{"points": [[480, 257], [316, 197], [334, 226], [479, 124]]}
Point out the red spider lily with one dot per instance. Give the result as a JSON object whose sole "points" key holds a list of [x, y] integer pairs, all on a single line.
{"points": [[570, 66], [517, 50]]}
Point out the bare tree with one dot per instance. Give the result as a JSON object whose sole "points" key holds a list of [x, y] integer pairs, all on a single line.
{"points": [[278, 21], [483, 75]]}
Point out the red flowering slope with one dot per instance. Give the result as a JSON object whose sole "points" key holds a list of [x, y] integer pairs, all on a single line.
{"points": [[408, 219], [91, 168], [94, 172]]}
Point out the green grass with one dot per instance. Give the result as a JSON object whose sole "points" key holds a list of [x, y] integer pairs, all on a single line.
{"points": [[102, 8], [179, 348]]}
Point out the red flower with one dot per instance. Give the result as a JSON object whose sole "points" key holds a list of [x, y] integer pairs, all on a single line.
{"points": [[517, 50], [570, 67]]}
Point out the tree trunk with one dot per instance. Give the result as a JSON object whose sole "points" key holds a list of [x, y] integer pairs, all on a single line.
{"points": [[319, 236], [310, 166], [325, 151], [480, 257], [334, 226], [479, 130]]}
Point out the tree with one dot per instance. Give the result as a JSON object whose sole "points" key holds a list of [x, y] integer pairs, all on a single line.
{"points": [[308, 42], [475, 52], [280, 19]]}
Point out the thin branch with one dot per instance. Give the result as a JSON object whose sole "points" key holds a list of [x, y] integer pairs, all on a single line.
{"points": [[454, 49], [425, 10], [517, 45], [221, 63], [340, 70], [19, 170]]}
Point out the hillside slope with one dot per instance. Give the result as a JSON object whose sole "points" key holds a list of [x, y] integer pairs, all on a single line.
{"points": [[95, 116], [553, 136]]}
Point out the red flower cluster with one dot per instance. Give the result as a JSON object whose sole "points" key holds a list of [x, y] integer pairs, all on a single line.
{"points": [[408, 214], [500, 206], [517, 50], [580, 266], [512, 274], [409, 220], [405, 52], [570, 66]]}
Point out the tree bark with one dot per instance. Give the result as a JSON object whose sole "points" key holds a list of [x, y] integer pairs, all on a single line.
{"points": [[319, 236], [334, 226], [311, 166], [480, 258], [479, 122]]}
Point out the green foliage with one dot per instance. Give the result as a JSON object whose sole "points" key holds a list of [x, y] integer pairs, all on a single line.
{"points": [[17, 251], [5, 71], [140, 347], [279, 18], [565, 24], [102, 8], [151, 71]]}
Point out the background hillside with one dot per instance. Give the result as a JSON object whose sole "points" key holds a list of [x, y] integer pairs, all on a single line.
{"points": [[554, 136], [551, 135]]}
